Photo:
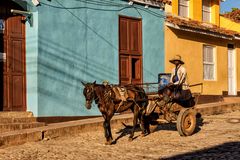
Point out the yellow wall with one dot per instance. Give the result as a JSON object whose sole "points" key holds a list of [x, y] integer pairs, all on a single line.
{"points": [[228, 24], [175, 7], [231, 25], [215, 12], [196, 10], [190, 47]]}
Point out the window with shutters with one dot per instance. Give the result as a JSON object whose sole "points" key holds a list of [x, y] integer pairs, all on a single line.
{"points": [[130, 50], [206, 10], [209, 63], [183, 8]]}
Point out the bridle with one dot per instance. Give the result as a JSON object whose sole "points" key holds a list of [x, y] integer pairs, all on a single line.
{"points": [[92, 96]]}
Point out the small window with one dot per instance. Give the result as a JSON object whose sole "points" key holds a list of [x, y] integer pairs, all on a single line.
{"points": [[209, 64], [183, 8], [206, 10]]}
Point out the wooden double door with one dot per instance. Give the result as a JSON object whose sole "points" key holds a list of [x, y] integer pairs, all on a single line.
{"points": [[130, 50], [12, 59]]}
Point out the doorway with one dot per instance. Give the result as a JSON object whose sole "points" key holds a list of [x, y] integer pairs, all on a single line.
{"points": [[130, 50], [232, 83], [12, 59]]}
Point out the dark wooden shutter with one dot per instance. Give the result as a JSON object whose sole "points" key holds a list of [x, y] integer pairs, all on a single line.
{"points": [[13, 74], [125, 70], [130, 50], [123, 36], [16, 34], [135, 37]]}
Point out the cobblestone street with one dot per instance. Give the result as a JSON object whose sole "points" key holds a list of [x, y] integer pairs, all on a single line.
{"points": [[218, 138]]}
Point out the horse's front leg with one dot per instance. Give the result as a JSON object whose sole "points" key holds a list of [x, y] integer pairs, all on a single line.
{"points": [[135, 120], [107, 129], [144, 123]]}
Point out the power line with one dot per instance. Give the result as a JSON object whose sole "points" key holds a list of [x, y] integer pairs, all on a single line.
{"points": [[106, 3]]}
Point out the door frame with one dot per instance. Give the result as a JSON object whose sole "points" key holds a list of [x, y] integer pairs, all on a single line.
{"points": [[232, 88], [130, 56], [8, 37]]}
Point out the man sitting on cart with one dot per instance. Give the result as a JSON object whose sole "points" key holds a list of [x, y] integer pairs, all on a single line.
{"points": [[178, 81]]}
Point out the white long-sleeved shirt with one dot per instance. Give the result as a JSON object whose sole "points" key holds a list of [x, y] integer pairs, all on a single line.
{"points": [[182, 77]]}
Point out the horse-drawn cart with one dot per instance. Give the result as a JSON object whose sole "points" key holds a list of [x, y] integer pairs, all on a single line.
{"points": [[116, 99], [183, 114]]}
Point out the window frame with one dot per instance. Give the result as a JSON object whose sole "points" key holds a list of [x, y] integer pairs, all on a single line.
{"points": [[207, 11], [214, 63], [184, 5]]}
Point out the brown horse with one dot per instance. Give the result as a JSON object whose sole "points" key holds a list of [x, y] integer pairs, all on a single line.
{"points": [[105, 96]]}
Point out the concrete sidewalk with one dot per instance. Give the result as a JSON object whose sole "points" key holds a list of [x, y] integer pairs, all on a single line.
{"points": [[76, 127]]}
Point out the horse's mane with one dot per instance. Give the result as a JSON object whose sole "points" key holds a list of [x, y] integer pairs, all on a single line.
{"points": [[101, 91]]}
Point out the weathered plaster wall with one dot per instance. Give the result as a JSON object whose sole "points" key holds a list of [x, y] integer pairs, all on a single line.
{"points": [[32, 64], [215, 9], [228, 24], [78, 41]]}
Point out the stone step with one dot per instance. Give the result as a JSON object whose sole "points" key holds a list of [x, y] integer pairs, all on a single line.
{"points": [[231, 99], [19, 126], [18, 120], [15, 114]]}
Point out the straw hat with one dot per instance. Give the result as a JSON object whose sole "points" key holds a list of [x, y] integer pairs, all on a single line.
{"points": [[176, 58]]}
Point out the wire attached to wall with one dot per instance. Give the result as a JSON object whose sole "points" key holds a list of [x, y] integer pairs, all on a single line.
{"points": [[106, 3]]}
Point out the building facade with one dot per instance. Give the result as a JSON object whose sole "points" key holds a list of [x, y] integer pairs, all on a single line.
{"points": [[60, 43], [209, 48]]}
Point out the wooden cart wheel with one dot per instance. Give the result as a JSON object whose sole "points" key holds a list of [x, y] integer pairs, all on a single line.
{"points": [[186, 122]]}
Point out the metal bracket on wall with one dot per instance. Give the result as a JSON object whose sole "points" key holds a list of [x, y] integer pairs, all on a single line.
{"points": [[28, 15]]}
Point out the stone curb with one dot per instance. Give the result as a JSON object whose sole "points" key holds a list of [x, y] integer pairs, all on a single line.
{"points": [[76, 127], [216, 108], [59, 129]]}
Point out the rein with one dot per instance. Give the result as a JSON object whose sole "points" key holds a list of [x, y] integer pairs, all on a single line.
{"points": [[133, 88], [106, 96]]}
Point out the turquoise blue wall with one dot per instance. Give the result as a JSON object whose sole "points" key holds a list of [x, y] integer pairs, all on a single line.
{"points": [[78, 41], [32, 64]]}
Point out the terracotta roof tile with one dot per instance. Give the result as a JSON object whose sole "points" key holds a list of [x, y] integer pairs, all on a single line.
{"points": [[200, 26], [234, 15], [165, 1], [151, 1]]}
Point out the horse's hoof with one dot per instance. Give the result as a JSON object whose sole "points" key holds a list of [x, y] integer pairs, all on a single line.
{"points": [[130, 139], [108, 143], [144, 134]]}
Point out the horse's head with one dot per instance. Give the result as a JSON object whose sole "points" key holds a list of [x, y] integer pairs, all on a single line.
{"points": [[89, 94]]}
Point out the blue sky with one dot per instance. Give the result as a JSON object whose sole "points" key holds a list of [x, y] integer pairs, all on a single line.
{"points": [[229, 4]]}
